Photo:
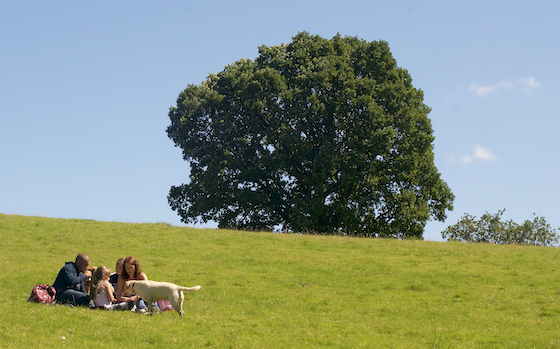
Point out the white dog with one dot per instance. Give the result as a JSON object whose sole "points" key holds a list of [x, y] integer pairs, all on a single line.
{"points": [[153, 291]]}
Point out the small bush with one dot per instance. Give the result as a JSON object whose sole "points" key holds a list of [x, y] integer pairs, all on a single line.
{"points": [[490, 229]]}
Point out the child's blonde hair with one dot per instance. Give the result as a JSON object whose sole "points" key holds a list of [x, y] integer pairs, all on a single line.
{"points": [[97, 280]]}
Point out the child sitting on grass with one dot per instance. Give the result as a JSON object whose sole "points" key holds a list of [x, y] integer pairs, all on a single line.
{"points": [[101, 292], [115, 276]]}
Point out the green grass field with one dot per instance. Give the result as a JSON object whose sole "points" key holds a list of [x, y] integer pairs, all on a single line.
{"points": [[263, 290]]}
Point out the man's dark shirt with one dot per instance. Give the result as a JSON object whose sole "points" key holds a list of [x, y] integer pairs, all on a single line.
{"points": [[70, 277]]}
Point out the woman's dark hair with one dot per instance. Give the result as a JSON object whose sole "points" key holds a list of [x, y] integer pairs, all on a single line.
{"points": [[137, 269]]}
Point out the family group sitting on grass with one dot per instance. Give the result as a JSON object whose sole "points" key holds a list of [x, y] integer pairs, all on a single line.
{"points": [[77, 284]]}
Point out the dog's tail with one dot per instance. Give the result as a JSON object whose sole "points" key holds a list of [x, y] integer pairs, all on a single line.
{"points": [[190, 289]]}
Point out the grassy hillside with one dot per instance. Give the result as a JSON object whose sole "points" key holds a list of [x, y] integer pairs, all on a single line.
{"points": [[262, 290]]}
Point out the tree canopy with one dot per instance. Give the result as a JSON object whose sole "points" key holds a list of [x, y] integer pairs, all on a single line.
{"points": [[491, 229], [316, 136]]}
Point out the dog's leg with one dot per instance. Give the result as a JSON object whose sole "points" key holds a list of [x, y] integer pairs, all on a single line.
{"points": [[148, 299], [150, 307], [181, 299]]}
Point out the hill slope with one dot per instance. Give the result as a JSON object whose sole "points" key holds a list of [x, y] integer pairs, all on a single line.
{"points": [[271, 290]]}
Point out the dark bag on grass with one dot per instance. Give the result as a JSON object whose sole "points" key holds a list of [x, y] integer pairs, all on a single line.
{"points": [[43, 294]]}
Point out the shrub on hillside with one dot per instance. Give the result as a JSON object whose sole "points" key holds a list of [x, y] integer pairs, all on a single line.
{"points": [[490, 229]]}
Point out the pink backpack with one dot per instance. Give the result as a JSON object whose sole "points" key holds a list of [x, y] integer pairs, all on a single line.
{"points": [[43, 294], [164, 305]]}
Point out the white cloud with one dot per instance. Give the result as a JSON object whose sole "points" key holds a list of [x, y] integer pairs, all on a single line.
{"points": [[483, 153], [479, 153], [527, 84], [467, 159]]}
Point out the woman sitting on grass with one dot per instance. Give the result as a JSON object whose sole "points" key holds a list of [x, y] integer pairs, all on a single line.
{"points": [[131, 271], [101, 292]]}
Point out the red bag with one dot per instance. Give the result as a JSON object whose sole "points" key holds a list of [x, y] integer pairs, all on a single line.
{"points": [[164, 305], [43, 294]]}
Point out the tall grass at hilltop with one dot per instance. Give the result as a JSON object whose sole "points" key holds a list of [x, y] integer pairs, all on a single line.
{"points": [[263, 290]]}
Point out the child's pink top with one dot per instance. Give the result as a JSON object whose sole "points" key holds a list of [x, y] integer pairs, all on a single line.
{"points": [[101, 298]]}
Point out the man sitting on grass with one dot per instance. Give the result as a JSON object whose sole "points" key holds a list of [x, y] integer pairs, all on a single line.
{"points": [[69, 283]]}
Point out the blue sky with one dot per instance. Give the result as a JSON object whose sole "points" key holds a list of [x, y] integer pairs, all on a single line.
{"points": [[85, 88]]}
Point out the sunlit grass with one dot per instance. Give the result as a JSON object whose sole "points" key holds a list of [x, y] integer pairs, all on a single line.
{"points": [[262, 290]]}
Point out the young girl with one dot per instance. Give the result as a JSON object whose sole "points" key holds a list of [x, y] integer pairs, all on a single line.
{"points": [[118, 270], [101, 291]]}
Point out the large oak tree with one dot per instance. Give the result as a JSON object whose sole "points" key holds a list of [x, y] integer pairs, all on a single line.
{"points": [[317, 136]]}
